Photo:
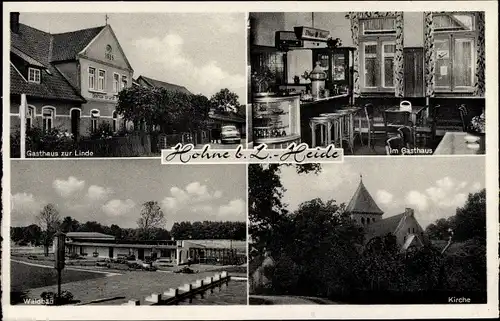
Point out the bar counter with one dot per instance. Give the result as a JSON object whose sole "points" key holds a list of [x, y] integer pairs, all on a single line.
{"points": [[309, 109]]}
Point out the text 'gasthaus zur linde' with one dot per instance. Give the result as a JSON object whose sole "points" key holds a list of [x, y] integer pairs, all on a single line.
{"points": [[294, 154]]}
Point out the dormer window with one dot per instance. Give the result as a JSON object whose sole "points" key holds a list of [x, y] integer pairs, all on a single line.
{"points": [[34, 75], [109, 53]]}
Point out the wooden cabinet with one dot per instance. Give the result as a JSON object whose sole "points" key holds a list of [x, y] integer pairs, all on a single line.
{"points": [[337, 64], [413, 72]]}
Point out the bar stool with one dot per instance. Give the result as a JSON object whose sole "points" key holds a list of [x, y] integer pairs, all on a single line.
{"points": [[325, 126], [349, 126], [337, 127]]}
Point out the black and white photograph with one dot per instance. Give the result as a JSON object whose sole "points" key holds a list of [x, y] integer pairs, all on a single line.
{"points": [[127, 232], [325, 158], [122, 85], [372, 83], [368, 231]]}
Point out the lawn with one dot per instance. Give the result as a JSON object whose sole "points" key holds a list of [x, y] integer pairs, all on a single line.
{"points": [[24, 277]]}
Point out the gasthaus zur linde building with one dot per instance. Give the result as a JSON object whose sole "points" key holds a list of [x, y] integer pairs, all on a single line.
{"points": [[71, 79]]}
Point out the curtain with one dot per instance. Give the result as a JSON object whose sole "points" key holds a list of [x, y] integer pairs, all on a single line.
{"points": [[398, 57], [429, 55], [480, 54]]}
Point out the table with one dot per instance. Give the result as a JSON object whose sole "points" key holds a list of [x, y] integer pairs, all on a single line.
{"points": [[415, 111], [453, 143]]}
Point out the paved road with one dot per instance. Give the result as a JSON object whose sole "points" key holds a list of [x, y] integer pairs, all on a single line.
{"points": [[225, 146]]}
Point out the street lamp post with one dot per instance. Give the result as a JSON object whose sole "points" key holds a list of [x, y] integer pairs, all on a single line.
{"points": [[59, 251]]}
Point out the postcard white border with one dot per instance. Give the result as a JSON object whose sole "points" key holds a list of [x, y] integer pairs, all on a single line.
{"points": [[271, 312]]}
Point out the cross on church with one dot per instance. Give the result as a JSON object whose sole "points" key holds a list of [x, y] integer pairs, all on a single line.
{"points": [[106, 17]]}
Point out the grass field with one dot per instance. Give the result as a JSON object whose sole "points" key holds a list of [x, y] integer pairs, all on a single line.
{"points": [[24, 277]]}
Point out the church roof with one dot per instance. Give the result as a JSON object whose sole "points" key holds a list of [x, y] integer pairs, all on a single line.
{"points": [[385, 226], [362, 202]]}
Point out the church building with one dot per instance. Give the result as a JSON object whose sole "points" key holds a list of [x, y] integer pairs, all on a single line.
{"points": [[363, 209]]}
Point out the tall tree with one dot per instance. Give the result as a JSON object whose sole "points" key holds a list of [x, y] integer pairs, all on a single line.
{"points": [[267, 214], [69, 225], [470, 220], [151, 217], [49, 221], [225, 101]]}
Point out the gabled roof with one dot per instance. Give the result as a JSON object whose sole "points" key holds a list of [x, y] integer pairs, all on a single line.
{"points": [[229, 118], [385, 226], [161, 84], [33, 46], [67, 45], [362, 202], [89, 235]]}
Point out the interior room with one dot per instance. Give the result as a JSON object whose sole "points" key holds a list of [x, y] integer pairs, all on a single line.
{"points": [[372, 83]]}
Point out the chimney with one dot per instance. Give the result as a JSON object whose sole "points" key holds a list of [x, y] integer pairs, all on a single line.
{"points": [[409, 212], [14, 22]]}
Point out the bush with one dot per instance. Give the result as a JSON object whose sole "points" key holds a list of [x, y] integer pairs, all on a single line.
{"points": [[65, 298], [54, 140], [104, 130]]}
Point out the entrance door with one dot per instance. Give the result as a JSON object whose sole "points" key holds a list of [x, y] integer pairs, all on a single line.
{"points": [[111, 252], [75, 123], [140, 254]]}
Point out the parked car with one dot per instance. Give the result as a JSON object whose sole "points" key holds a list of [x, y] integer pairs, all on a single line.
{"points": [[103, 263], [163, 263], [230, 134]]}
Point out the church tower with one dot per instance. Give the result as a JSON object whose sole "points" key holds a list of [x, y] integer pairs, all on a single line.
{"points": [[362, 208]]}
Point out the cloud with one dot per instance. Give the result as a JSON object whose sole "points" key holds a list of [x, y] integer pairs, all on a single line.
{"points": [[445, 193], [97, 193], [25, 203], [476, 187], [234, 208], [206, 209], [384, 197], [331, 178], [417, 199], [169, 58], [66, 188], [193, 194], [118, 207]]}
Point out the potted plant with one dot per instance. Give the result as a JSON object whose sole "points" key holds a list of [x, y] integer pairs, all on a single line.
{"points": [[475, 132], [262, 81]]}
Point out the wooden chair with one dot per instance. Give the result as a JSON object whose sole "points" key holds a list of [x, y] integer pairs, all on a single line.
{"points": [[408, 135], [394, 119], [394, 145], [464, 116], [365, 121]]}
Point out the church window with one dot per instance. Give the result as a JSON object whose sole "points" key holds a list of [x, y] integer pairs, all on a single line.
{"points": [[363, 221]]}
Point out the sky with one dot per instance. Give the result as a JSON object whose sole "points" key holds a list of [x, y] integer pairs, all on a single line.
{"points": [[433, 186], [203, 52], [112, 191]]}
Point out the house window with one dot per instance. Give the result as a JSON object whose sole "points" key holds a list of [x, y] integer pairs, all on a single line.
{"points": [[378, 48], [454, 41], [29, 116], [94, 119], [101, 81], [48, 115], [109, 53], [115, 121], [34, 75], [124, 82], [116, 83], [91, 78]]}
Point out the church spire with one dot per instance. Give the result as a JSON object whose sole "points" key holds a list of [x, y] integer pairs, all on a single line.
{"points": [[362, 202]]}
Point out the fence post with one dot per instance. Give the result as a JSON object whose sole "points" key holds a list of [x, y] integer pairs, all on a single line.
{"points": [[171, 293], [155, 298]]}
